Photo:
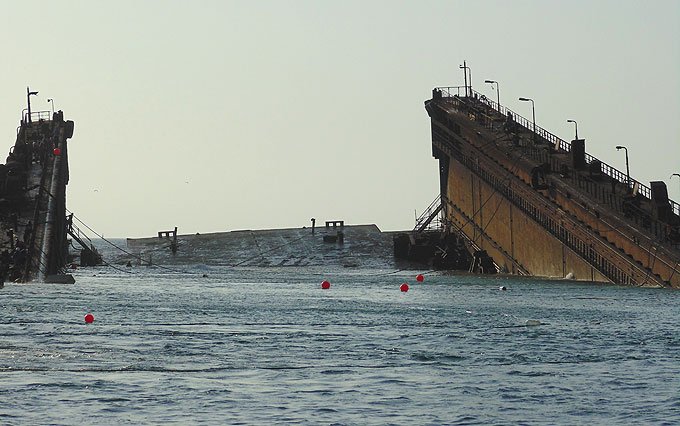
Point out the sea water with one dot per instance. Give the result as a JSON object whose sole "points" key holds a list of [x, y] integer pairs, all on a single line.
{"points": [[262, 346]]}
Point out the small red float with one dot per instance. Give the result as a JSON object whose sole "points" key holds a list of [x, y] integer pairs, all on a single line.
{"points": [[420, 278], [89, 318], [57, 151], [404, 287], [325, 285]]}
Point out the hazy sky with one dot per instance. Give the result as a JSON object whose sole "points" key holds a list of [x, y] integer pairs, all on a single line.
{"points": [[224, 115]]}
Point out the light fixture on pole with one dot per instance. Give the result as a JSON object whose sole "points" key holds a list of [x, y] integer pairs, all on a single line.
{"points": [[575, 127], [28, 99], [676, 174], [618, 148], [51, 101], [533, 112], [466, 71], [498, 92]]}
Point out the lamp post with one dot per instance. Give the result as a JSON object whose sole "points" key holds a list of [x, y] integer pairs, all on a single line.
{"points": [[28, 99], [618, 148], [676, 174], [466, 70], [51, 101], [575, 127], [533, 113], [498, 92]]}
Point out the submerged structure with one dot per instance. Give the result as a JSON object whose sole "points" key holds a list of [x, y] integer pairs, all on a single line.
{"points": [[533, 204], [35, 226], [335, 244]]}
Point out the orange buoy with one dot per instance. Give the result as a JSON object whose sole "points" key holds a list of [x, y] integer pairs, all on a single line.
{"points": [[325, 285], [57, 151], [89, 318], [404, 287], [420, 278]]}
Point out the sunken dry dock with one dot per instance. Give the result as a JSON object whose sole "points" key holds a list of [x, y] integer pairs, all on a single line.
{"points": [[33, 189], [514, 198], [538, 205], [34, 224], [348, 246]]}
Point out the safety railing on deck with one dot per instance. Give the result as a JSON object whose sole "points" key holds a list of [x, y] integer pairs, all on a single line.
{"points": [[37, 116], [459, 92], [78, 235], [431, 218]]}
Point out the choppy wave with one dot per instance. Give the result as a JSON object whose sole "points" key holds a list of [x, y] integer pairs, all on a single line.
{"points": [[269, 346]]}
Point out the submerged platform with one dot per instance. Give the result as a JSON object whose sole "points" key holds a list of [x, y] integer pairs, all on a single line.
{"points": [[350, 246]]}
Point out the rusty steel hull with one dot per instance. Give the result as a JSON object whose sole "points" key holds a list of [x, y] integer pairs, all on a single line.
{"points": [[543, 207], [34, 243]]}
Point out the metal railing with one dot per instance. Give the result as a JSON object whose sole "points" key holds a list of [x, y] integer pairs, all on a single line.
{"points": [[431, 218], [37, 116], [557, 142], [80, 236]]}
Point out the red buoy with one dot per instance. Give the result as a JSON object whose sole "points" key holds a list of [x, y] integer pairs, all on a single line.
{"points": [[57, 151], [404, 287], [89, 318], [420, 278], [325, 285]]}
